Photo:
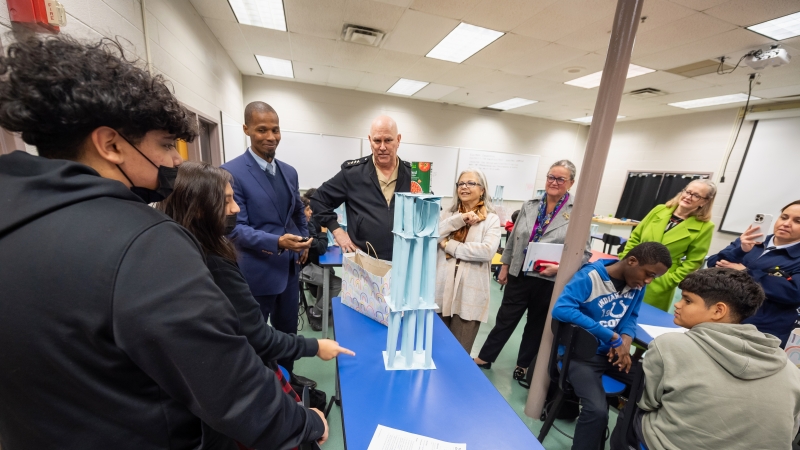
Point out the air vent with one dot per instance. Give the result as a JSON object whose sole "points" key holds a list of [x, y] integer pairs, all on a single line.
{"points": [[362, 35], [646, 93], [699, 68]]}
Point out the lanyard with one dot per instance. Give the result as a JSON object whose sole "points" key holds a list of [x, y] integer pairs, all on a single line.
{"points": [[543, 219]]}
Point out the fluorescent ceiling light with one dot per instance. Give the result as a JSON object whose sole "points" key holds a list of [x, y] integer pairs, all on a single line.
{"points": [[712, 101], [593, 79], [464, 41], [588, 119], [275, 66], [407, 87], [260, 13], [512, 103], [779, 29]]}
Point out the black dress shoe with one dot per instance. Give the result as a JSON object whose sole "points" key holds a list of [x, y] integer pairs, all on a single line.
{"points": [[302, 381]]}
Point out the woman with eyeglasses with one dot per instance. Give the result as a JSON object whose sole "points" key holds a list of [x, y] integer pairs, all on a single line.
{"points": [[544, 220], [469, 237], [684, 225], [773, 260]]}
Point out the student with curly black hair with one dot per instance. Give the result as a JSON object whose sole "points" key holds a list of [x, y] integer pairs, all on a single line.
{"points": [[112, 331]]}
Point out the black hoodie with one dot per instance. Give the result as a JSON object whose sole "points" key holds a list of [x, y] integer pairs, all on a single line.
{"points": [[112, 331]]}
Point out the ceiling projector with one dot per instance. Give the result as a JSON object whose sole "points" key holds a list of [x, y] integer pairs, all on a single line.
{"points": [[775, 57]]}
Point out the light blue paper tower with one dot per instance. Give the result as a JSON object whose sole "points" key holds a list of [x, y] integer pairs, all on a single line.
{"points": [[411, 300]]}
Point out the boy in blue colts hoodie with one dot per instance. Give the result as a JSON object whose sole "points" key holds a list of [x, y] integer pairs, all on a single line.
{"points": [[603, 298]]}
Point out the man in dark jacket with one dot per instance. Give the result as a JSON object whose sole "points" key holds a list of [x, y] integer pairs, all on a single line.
{"points": [[367, 186], [112, 331]]}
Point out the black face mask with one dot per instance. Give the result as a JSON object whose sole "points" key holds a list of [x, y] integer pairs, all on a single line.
{"points": [[166, 180], [230, 224]]}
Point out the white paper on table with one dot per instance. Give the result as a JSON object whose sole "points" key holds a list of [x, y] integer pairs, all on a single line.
{"points": [[655, 331], [386, 438], [541, 251]]}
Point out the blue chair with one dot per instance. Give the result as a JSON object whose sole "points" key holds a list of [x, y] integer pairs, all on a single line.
{"points": [[576, 343], [285, 373]]}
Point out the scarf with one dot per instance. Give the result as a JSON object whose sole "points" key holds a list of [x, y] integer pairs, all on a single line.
{"points": [[460, 234], [543, 219]]}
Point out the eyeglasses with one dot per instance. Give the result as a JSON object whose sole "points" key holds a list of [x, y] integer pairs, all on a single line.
{"points": [[695, 196], [469, 184], [557, 180]]}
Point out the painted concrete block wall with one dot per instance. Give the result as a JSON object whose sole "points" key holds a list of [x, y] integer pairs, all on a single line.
{"points": [[182, 46], [341, 112]]}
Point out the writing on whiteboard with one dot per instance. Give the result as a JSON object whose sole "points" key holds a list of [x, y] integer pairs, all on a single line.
{"points": [[516, 172]]}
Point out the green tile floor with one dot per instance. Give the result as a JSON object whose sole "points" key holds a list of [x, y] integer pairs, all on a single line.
{"points": [[500, 375]]}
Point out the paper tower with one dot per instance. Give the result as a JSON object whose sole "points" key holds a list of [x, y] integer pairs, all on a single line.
{"points": [[411, 300]]}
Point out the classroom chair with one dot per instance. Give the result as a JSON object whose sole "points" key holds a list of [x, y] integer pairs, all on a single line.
{"points": [[578, 344], [609, 241]]}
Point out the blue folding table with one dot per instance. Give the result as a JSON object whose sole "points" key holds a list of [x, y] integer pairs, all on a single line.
{"points": [[331, 258], [455, 402]]}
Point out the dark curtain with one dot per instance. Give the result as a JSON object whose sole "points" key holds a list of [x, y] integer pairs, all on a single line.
{"points": [[639, 196], [672, 184]]}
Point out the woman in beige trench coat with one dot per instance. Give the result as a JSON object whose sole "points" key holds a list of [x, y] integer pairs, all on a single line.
{"points": [[469, 237]]}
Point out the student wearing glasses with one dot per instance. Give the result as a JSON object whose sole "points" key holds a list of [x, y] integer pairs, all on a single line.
{"points": [[469, 237], [544, 220], [684, 225]]}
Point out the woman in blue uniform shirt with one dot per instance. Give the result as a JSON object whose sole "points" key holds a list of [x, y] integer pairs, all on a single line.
{"points": [[775, 264]]}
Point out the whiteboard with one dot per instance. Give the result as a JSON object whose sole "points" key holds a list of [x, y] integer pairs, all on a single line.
{"points": [[767, 180], [444, 162], [316, 157], [515, 172], [233, 138]]}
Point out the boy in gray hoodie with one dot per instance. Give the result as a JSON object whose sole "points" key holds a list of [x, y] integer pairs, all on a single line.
{"points": [[722, 384]]}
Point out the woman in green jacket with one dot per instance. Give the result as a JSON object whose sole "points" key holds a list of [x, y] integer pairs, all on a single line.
{"points": [[684, 225]]}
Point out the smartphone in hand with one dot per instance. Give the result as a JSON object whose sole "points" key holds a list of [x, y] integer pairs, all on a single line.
{"points": [[764, 223]]}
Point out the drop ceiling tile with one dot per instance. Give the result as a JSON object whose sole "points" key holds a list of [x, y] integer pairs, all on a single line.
{"points": [[509, 48], [564, 17], [749, 12], [376, 83], [543, 58], [417, 33], [312, 49], [310, 73], [594, 36], [214, 9], [246, 62], [534, 89], [683, 31], [371, 14], [318, 18], [528, 109], [344, 78], [588, 63], [393, 63], [500, 81], [740, 76], [661, 12], [434, 91], [427, 69], [684, 85], [778, 92], [354, 56], [504, 16], [732, 44], [454, 9], [266, 42], [228, 34], [653, 80], [712, 91], [472, 97], [699, 5], [401, 3], [463, 75]]}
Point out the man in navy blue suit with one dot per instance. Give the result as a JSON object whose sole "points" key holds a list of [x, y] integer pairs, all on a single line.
{"points": [[270, 236]]}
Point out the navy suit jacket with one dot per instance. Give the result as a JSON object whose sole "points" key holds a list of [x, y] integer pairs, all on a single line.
{"points": [[258, 225]]}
